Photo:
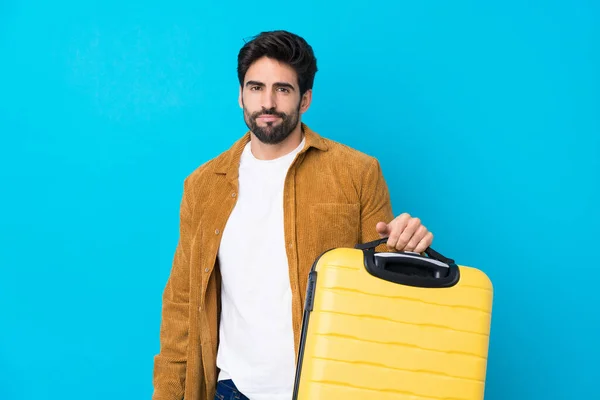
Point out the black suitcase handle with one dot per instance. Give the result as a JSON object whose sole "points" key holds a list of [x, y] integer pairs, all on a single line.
{"points": [[409, 268], [429, 251]]}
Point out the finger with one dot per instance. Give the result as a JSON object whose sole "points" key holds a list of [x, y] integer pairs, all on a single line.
{"points": [[408, 233], [416, 238], [382, 229], [396, 227], [424, 243]]}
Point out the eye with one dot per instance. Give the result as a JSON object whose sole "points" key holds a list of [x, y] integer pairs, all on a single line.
{"points": [[285, 90], [254, 88]]}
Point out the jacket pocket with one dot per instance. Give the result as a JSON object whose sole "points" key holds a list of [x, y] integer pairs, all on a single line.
{"points": [[333, 225]]}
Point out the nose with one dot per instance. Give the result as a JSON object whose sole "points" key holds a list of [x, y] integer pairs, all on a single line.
{"points": [[268, 100]]}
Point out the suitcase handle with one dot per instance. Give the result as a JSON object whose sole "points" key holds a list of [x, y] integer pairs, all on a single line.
{"points": [[429, 251], [409, 268]]}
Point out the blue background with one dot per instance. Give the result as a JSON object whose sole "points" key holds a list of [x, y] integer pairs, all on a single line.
{"points": [[485, 118]]}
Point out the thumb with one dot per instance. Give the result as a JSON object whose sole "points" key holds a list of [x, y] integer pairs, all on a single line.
{"points": [[382, 229]]}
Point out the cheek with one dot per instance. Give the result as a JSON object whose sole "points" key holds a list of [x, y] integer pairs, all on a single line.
{"points": [[252, 102], [289, 104], [250, 105]]}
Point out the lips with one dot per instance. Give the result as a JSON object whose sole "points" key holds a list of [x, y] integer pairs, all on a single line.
{"points": [[268, 118]]}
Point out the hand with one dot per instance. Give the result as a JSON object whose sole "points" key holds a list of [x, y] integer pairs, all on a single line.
{"points": [[405, 233]]}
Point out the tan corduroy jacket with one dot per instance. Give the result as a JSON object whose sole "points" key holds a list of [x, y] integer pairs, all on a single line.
{"points": [[333, 197]]}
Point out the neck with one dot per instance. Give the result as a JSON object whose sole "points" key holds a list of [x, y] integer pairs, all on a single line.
{"points": [[264, 151]]}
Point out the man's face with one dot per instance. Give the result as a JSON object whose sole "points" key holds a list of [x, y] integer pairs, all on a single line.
{"points": [[271, 100]]}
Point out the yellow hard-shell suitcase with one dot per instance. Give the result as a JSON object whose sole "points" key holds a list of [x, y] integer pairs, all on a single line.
{"points": [[401, 326]]}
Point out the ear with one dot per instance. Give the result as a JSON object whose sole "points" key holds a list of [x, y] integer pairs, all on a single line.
{"points": [[240, 101], [306, 101]]}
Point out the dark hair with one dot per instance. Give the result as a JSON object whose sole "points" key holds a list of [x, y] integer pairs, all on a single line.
{"points": [[282, 46]]}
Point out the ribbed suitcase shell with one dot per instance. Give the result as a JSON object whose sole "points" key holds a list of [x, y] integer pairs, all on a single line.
{"points": [[368, 338]]}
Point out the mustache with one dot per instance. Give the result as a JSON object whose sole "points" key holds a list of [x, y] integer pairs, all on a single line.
{"points": [[270, 111]]}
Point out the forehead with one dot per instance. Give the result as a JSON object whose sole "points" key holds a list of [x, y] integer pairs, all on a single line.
{"points": [[268, 71]]}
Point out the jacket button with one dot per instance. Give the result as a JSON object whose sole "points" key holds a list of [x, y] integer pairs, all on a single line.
{"points": [[205, 269], [233, 194], [217, 231]]}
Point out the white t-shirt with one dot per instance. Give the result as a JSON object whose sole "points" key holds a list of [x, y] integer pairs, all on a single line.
{"points": [[256, 347]]}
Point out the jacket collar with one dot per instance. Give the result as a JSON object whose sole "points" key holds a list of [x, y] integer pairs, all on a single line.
{"points": [[228, 162]]}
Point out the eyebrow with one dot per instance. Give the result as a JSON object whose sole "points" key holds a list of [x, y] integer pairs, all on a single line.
{"points": [[278, 84]]}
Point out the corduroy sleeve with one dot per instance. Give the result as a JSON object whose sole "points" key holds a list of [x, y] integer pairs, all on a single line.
{"points": [[376, 205], [170, 362]]}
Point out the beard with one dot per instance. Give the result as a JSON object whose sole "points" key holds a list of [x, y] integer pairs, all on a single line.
{"points": [[273, 132]]}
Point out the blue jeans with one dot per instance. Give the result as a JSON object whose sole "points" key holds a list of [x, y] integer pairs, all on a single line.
{"points": [[226, 390]]}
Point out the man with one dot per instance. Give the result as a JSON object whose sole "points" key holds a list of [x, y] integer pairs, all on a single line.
{"points": [[252, 222]]}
